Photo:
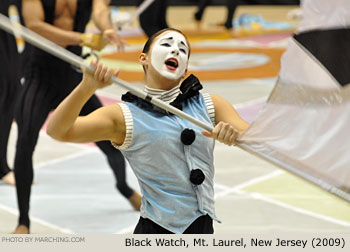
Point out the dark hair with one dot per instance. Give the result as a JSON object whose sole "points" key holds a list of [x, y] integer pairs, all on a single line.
{"points": [[151, 39]]}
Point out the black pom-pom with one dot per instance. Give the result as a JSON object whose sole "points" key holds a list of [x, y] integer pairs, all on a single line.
{"points": [[197, 176], [188, 136]]}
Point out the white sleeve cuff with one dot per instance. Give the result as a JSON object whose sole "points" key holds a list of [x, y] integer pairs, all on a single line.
{"points": [[129, 124]]}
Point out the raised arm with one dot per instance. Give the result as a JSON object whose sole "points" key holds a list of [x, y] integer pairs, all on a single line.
{"points": [[34, 18], [229, 125], [102, 19], [106, 123]]}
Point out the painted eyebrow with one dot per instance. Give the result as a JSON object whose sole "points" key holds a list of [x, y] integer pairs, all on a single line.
{"points": [[171, 38]]}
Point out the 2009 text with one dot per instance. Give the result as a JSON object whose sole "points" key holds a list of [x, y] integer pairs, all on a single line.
{"points": [[328, 242]]}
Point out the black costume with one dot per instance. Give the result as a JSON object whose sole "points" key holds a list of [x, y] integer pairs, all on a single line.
{"points": [[202, 225], [48, 81], [153, 19], [231, 8], [9, 86]]}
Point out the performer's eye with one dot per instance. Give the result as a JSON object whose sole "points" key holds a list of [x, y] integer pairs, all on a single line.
{"points": [[166, 44], [183, 50]]}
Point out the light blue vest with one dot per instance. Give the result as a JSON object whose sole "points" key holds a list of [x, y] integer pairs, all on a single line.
{"points": [[162, 164]]}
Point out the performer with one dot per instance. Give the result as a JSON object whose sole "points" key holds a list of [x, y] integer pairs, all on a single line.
{"points": [[231, 8], [171, 157], [153, 19], [49, 80], [9, 86]]}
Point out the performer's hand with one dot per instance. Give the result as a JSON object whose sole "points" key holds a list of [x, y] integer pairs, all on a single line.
{"points": [[100, 78], [111, 37], [224, 133], [93, 40]]}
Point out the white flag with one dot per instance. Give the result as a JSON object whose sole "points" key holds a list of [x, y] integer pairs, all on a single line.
{"points": [[305, 124]]}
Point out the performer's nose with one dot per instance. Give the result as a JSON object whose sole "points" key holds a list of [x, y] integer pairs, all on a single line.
{"points": [[176, 52]]}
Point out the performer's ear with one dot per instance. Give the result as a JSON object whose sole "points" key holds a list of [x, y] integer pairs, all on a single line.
{"points": [[143, 59]]}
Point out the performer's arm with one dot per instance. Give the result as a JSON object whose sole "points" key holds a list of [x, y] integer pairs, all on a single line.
{"points": [[105, 123], [229, 125], [102, 19], [34, 16]]}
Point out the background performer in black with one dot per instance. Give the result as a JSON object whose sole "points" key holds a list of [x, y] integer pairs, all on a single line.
{"points": [[9, 86], [49, 80], [153, 19]]}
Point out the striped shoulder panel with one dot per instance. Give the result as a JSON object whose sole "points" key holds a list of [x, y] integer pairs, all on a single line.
{"points": [[210, 107]]}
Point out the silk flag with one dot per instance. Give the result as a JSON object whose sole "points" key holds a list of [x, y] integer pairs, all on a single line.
{"points": [[305, 125]]}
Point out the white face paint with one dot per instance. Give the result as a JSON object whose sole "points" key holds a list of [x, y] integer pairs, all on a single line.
{"points": [[169, 55]]}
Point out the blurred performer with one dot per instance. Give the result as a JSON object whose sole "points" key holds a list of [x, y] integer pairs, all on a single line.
{"points": [[153, 19], [49, 80], [9, 87], [231, 8]]}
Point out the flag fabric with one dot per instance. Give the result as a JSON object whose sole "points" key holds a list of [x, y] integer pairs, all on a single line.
{"points": [[304, 126]]}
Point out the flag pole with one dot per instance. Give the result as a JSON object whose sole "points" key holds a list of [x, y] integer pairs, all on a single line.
{"points": [[65, 55]]}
